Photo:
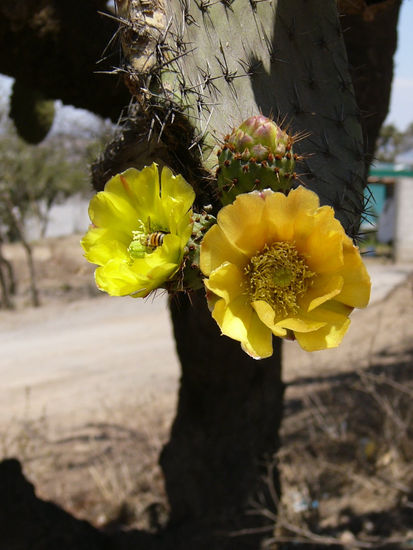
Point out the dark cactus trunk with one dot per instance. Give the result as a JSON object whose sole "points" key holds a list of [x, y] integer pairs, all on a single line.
{"points": [[371, 40], [225, 433]]}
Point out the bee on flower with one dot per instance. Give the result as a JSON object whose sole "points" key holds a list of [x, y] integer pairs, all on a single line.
{"points": [[141, 224], [282, 265], [153, 240]]}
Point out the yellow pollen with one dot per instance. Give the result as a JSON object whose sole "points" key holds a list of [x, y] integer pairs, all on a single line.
{"points": [[137, 248], [278, 275]]}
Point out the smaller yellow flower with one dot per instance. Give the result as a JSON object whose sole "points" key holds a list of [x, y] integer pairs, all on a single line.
{"points": [[140, 227], [284, 266]]}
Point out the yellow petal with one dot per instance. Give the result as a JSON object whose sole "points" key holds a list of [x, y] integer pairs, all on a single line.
{"points": [[118, 279], [156, 277], [90, 240], [240, 322], [177, 198], [357, 285], [182, 227], [322, 288], [216, 249], [259, 340], [101, 245], [243, 223], [233, 321], [267, 316], [330, 336], [140, 188], [302, 199], [301, 323], [323, 248], [171, 251], [226, 281], [282, 213], [105, 251], [110, 210], [211, 298], [327, 222]]}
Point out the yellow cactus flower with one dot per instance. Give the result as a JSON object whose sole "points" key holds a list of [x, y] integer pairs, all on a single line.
{"points": [[282, 265], [140, 227]]}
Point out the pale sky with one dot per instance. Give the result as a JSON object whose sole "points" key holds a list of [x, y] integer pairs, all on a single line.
{"points": [[401, 104]]}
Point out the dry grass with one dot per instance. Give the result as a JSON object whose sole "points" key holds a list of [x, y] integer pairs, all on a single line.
{"points": [[104, 471], [346, 461]]}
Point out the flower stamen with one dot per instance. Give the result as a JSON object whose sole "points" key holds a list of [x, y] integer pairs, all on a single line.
{"points": [[278, 275]]}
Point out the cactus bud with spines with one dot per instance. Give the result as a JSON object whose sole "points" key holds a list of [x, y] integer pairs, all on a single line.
{"points": [[256, 155]]}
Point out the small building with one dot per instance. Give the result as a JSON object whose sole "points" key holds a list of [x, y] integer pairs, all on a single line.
{"points": [[391, 187]]}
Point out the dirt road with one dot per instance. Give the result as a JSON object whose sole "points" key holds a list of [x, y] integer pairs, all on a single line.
{"points": [[66, 360]]}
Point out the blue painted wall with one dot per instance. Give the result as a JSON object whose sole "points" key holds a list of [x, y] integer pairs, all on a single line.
{"points": [[376, 194]]}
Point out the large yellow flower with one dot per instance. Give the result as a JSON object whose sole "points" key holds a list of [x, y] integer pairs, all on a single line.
{"points": [[139, 230], [282, 265]]}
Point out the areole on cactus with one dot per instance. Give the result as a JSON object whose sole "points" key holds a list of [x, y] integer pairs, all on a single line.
{"points": [[257, 155]]}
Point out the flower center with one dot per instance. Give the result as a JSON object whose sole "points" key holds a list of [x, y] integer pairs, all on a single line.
{"points": [[278, 275]]}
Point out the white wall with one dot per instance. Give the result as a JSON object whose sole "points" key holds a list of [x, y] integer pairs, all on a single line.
{"points": [[403, 242], [66, 218]]}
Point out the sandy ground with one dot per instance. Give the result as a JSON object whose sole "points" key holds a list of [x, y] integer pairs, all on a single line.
{"points": [[68, 361]]}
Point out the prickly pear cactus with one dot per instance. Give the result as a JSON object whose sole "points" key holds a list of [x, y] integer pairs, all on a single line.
{"points": [[197, 69]]}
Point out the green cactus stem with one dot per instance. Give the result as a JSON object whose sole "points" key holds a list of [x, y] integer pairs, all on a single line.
{"points": [[189, 276]]}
